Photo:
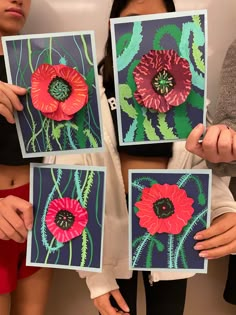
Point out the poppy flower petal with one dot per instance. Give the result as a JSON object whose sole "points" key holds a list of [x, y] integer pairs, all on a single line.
{"points": [[40, 81], [163, 80], [79, 94], [58, 115]]}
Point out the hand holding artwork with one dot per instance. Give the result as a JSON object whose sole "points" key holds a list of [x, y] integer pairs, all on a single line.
{"points": [[102, 303], [16, 218], [9, 100], [218, 144], [218, 240]]}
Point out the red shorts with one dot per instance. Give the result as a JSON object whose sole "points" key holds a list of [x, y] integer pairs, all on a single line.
{"points": [[12, 254]]}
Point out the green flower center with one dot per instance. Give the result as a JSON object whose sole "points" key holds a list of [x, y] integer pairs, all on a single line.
{"points": [[163, 208], [163, 82], [64, 219], [59, 89]]}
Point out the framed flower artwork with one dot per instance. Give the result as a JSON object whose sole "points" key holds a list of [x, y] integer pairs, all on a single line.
{"points": [[160, 75], [166, 209], [68, 204], [62, 105]]}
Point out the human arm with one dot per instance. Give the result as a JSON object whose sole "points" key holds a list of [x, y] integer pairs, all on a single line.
{"points": [[219, 142]]}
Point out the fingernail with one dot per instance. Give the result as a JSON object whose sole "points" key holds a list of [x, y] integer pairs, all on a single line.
{"points": [[198, 237], [29, 227], [198, 247], [203, 255], [126, 309]]}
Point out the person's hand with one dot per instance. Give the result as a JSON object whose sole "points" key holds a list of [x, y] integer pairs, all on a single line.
{"points": [[218, 144], [218, 240], [16, 218], [9, 100], [102, 303]]}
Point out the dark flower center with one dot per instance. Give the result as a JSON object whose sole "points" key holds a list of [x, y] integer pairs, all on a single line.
{"points": [[59, 89], [163, 208], [163, 82], [64, 219]]}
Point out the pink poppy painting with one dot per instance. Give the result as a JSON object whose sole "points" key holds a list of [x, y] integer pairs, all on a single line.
{"points": [[163, 80]]}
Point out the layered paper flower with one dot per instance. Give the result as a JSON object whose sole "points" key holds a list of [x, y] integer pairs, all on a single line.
{"points": [[58, 91], [163, 80], [66, 219], [164, 209]]}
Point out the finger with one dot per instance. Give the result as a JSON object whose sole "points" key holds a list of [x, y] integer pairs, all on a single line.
{"points": [[3, 236], [23, 208], [10, 232], [6, 113], [27, 214], [210, 143], [219, 240], [103, 304], [212, 231], [225, 146], [120, 300], [16, 222], [219, 251], [11, 92], [192, 142], [234, 147]]}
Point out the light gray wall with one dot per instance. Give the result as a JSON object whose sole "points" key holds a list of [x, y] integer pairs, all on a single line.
{"points": [[69, 295]]}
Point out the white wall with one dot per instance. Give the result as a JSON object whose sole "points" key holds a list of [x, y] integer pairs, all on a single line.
{"points": [[69, 295]]}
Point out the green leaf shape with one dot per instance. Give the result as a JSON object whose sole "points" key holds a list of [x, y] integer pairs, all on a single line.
{"points": [[172, 30], [122, 43], [182, 122], [165, 130], [126, 93], [56, 132], [150, 131]]}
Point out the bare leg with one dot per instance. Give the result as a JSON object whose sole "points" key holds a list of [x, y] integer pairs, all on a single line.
{"points": [[31, 294], [5, 304]]}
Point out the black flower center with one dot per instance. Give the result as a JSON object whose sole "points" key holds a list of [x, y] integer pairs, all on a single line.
{"points": [[163, 208], [163, 82], [59, 89], [64, 219]]}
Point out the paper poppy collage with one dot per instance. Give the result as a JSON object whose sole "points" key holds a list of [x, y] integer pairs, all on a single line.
{"points": [[68, 217], [166, 210], [62, 107], [160, 75]]}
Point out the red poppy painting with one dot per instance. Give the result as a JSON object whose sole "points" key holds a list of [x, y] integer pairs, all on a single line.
{"points": [[66, 219], [58, 91], [164, 209], [163, 80]]}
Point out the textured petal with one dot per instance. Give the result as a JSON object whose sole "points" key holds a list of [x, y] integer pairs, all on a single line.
{"points": [[58, 115], [40, 81], [150, 65], [79, 95], [74, 208]]}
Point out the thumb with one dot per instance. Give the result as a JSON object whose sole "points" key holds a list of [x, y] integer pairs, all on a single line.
{"points": [[120, 300], [27, 216]]}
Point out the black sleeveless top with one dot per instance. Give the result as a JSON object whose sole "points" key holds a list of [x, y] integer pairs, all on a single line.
{"points": [[152, 149], [10, 153]]}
